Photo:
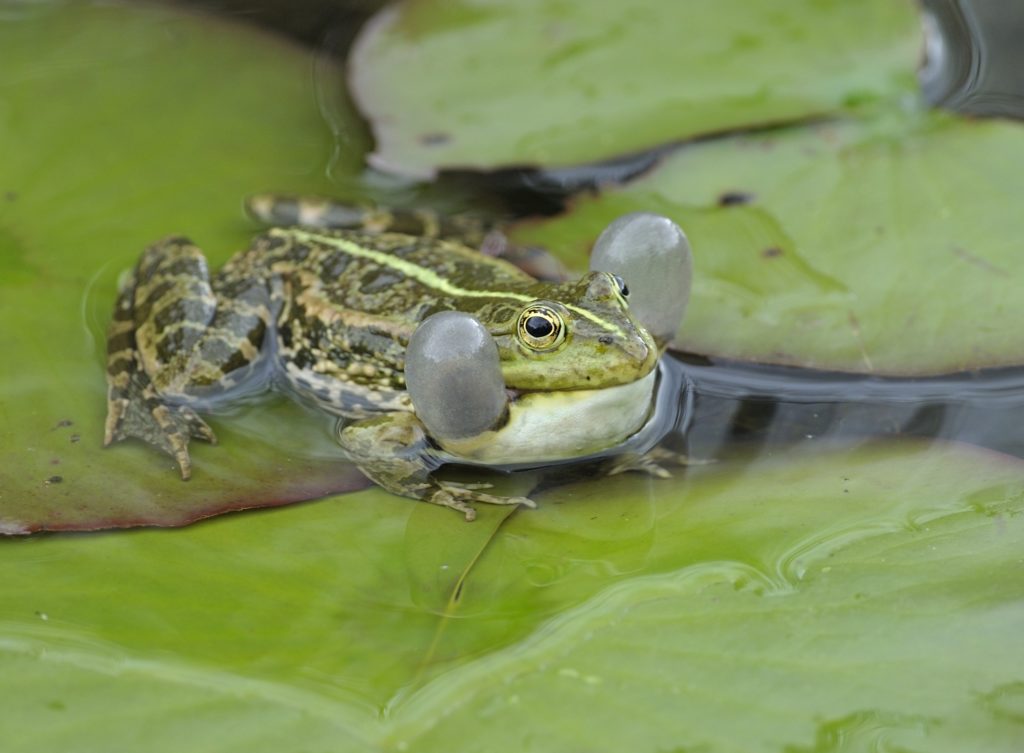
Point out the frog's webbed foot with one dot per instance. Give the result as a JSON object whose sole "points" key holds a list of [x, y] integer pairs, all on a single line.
{"points": [[134, 409], [652, 462], [393, 451], [460, 496]]}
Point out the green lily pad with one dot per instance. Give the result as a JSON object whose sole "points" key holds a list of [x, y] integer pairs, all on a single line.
{"points": [[484, 85], [121, 125], [888, 246], [812, 602]]}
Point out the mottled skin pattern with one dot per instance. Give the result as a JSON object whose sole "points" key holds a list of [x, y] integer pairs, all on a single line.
{"points": [[329, 313]]}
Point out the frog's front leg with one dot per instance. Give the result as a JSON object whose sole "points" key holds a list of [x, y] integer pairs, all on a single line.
{"points": [[176, 340], [393, 450]]}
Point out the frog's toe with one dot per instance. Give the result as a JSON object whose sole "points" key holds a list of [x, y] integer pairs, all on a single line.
{"points": [[445, 498], [495, 500], [169, 427], [671, 457], [177, 425], [653, 462], [472, 493], [642, 463], [115, 415], [198, 428]]}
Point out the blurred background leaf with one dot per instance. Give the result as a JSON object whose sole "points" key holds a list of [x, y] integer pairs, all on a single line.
{"points": [[479, 84]]}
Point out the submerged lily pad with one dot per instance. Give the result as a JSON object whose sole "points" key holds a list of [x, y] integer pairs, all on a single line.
{"points": [[825, 600], [888, 246], [120, 125], [481, 85]]}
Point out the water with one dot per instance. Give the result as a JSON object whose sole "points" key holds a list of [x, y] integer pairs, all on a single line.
{"points": [[768, 406]]}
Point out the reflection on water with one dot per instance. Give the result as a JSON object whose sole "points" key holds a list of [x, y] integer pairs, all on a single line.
{"points": [[768, 407], [973, 56]]}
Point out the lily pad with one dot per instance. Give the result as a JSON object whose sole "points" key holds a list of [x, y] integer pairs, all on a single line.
{"points": [[861, 597], [123, 124], [477, 84], [887, 246]]}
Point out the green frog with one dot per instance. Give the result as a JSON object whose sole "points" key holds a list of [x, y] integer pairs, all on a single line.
{"points": [[325, 307]]}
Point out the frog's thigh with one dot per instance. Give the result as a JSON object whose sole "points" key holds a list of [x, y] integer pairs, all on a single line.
{"points": [[317, 212], [391, 450], [190, 333]]}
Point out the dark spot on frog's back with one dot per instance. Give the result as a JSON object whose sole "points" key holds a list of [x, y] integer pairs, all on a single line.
{"points": [[335, 265], [735, 198], [772, 252], [377, 280], [434, 139], [298, 252]]}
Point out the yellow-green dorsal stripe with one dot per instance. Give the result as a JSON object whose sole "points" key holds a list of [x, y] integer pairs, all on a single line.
{"points": [[429, 277]]}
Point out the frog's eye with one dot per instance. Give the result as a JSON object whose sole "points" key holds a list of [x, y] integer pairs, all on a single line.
{"points": [[541, 328], [623, 288]]}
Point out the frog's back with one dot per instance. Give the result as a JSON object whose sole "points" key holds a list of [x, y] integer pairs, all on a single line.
{"points": [[386, 273], [349, 301]]}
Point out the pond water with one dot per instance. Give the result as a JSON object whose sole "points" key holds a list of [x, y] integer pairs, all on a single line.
{"points": [[844, 573]]}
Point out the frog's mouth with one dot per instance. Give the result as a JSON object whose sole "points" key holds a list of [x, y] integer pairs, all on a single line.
{"points": [[548, 426]]}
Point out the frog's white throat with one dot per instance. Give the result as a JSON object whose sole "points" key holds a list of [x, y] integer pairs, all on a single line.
{"points": [[543, 427]]}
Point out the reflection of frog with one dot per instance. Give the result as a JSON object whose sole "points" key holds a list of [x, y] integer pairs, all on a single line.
{"points": [[329, 313]]}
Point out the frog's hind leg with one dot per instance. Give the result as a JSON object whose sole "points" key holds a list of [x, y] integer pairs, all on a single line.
{"points": [[134, 407], [174, 340], [316, 212]]}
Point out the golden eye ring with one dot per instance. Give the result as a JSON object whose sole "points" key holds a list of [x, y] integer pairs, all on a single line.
{"points": [[541, 328]]}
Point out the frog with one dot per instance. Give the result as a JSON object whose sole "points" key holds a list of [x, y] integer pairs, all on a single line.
{"points": [[323, 305]]}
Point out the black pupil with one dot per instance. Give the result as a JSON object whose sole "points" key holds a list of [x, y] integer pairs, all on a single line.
{"points": [[622, 286], [538, 326]]}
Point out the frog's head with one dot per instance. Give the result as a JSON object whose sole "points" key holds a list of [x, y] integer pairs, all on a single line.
{"points": [[574, 336]]}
